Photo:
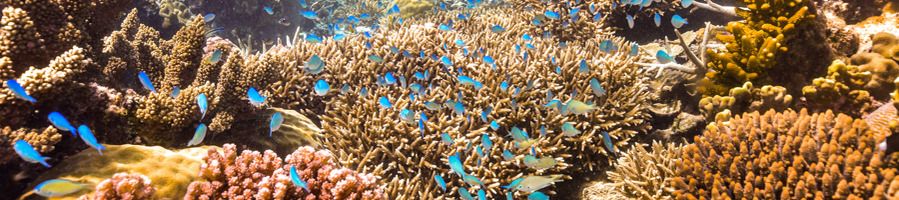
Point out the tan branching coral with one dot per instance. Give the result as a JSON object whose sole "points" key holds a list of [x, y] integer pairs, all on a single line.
{"points": [[123, 186], [747, 99], [42, 140], [264, 176], [784, 155], [646, 174]]}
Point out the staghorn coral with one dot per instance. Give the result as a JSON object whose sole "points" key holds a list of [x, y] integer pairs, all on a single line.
{"points": [[566, 28], [123, 186], [646, 174], [784, 155], [170, 170], [263, 176], [374, 140]]}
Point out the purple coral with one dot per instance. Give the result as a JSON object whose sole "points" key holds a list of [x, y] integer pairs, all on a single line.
{"points": [[255, 175]]}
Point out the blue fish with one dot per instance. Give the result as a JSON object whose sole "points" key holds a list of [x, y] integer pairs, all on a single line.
{"points": [[472, 180], [302, 3], [407, 115], [421, 127], [597, 17], [507, 155], [583, 68], [464, 194], [592, 8], [446, 139], [663, 57], [203, 103], [458, 108], [677, 21], [295, 178], [518, 134], [368, 45], [28, 153], [607, 46], [442, 6], [432, 106], [446, 61], [542, 131], [489, 60], [256, 99], [645, 3], [209, 17], [460, 43], [61, 123], [496, 28], [526, 37], [529, 46], [444, 27], [494, 125], [365, 16], [607, 140], [366, 34], [536, 21], [539, 195], [394, 10], [308, 14], [339, 36], [322, 87], [504, 86], [315, 65], [482, 195], [275, 122], [407, 54], [558, 70], [465, 80], [598, 90], [57, 188], [420, 76], [568, 129], [485, 113], [486, 142], [89, 138], [268, 9], [635, 49], [353, 19], [313, 38], [686, 3], [417, 88], [657, 19], [390, 78], [385, 103], [440, 181], [199, 135], [142, 76], [630, 21], [215, 57], [551, 14], [375, 58], [517, 48], [462, 17], [363, 92], [456, 165], [175, 91]]}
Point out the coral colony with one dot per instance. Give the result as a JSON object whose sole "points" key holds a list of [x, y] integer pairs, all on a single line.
{"points": [[433, 99]]}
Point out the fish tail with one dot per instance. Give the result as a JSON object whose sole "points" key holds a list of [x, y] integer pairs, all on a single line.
{"points": [[45, 164], [100, 150]]}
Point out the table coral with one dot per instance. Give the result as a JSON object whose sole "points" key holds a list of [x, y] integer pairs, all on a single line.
{"points": [[784, 155], [227, 175], [123, 186]]}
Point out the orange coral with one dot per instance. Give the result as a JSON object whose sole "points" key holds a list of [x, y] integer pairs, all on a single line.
{"points": [[786, 155]]}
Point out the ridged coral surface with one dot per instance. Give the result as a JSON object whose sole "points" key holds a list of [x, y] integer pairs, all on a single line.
{"points": [[785, 155]]}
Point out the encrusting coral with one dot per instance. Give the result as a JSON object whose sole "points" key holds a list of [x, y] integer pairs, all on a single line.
{"points": [[784, 155], [227, 175], [123, 186]]}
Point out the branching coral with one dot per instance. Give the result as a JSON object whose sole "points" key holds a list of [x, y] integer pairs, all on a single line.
{"points": [[784, 155], [646, 174], [123, 186], [746, 99], [756, 49], [263, 176], [843, 88]]}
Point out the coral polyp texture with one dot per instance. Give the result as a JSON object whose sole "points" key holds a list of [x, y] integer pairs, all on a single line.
{"points": [[785, 155], [255, 175], [646, 174], [123, 186]]}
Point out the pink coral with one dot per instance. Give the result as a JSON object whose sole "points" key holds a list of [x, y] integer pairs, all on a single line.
{"points": [[255, 175], [123, 186]]}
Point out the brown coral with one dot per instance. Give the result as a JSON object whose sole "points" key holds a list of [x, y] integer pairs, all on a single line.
{"points": [[123, 186], [264, 176], [784, 155]]}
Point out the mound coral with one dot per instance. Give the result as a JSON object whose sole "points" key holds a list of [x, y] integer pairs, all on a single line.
{"points": [[123, 186], [170, 171], [265, 176], [784, 155]]}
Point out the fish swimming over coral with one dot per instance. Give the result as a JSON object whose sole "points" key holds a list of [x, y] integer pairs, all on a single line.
{"points": [[28, 153], [57, 188], [199, 135], [88, 137], [61, 123]]}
